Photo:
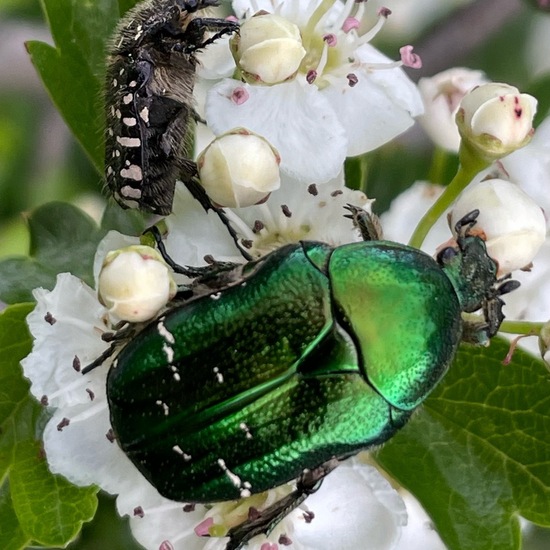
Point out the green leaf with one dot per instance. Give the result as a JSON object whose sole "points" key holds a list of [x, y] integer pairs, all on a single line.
{"points": [[73, 70], [62, 239], [477, 454], [34, 504]]}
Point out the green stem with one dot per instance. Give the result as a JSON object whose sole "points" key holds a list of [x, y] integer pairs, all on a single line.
{"points": [[521, 327], [440, 159], [470, 165]]}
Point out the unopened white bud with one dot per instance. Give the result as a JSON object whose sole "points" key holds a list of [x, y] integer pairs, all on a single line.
{"points": [[268, 49], [496, 119], [239, 169], [512, 224], [441, 95], [135, 283]]}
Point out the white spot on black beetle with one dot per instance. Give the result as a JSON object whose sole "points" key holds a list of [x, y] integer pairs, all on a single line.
{"points": [[216, 295], [168, 351], [133, 172], [130, 192], [129, 142], [144, 114], [127, 98], [129, 121]]}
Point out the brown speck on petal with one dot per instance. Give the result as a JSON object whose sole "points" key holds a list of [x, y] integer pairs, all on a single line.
{"points": [[110, 435], [247, 243], [308, 516], [336, 193], [63, 424], [138, 512], [49, 318], [90, 393], [311, 76], [258, 226], [284, 540], [44, 400], [189, 508], [286, 210], [76, 363], [352, 79], [312, 190], [253, 514]]}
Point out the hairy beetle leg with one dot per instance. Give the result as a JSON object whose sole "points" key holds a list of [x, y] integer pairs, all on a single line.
{"points": [[308, 483], [368, 224], [117, 339], [196, 27]]}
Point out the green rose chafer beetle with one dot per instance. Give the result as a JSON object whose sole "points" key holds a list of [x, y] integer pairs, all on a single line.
{"points": [[280, 368]]}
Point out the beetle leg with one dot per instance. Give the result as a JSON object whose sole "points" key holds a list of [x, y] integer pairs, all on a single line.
{"points": [[368, 224], [117, 339], [308, 483]]}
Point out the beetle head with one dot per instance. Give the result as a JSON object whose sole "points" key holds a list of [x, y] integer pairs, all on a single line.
{"points": [[473, 274]]}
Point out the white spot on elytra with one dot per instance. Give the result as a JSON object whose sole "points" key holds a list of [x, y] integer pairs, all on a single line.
{"points": [[246, 430], [218, 374], [164, 406], [115, 82], [109, 171], [165, 333], [132, 84], [129, 192], [121, 72], [118, 114], [110, 132], [129, 142], [216, 295], [117, 153], [127, 98], [132, 173], [144, 114], [169, 352], [129, 121], [178, 449], [176, 372]]}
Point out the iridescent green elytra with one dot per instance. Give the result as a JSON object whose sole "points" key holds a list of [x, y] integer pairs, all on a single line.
{"points": [[308, 354]]}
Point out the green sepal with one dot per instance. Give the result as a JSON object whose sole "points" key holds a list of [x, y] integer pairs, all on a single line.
{"points": [[35, 505], [477, 454]]}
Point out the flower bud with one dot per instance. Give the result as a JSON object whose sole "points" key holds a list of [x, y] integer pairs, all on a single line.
{"points": [[496, 119], [268, 49], [441, 95], [512, 224], [135, 283], [239, 169]]}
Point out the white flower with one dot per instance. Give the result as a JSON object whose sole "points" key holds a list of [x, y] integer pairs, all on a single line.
{"points": [[496, 119], [239, 169], [512, 224], [442, 94], [135, 283], [529, 167], [292, 213], [338, 105]]}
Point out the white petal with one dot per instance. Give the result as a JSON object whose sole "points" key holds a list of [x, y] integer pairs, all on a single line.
{"points": [[378, 108], [355, 505], [76, 332], [297, 120], [193, 233]]}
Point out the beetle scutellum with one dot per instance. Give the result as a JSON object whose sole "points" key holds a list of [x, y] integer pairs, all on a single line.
{"points": [[149, 101], [280, 368]]}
